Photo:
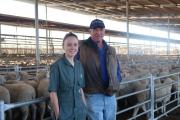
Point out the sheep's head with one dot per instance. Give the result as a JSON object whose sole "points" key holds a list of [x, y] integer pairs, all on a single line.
{"points": [[125, 74], [168, 80], [23, 75], [41, 74], [157, 81], [10, 76]]}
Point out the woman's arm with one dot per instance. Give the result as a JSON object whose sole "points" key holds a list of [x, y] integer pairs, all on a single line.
{"points": [[55, 104], [83, 97]]}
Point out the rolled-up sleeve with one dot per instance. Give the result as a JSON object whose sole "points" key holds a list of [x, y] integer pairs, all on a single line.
{"points": [[54, 78]]}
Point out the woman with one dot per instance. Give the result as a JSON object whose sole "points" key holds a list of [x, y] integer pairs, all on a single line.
{"points": [[66, 82]]}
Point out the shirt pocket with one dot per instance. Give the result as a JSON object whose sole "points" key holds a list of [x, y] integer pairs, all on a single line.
{"points": [[80, 81], [66, 83]]}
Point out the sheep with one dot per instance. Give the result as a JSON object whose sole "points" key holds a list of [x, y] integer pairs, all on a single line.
{"points": [[175, 86], [23, 75], [11, 76], [13, 81], [138, 86], [129, 73], [123, 89], [141, 97], [5, 96], [24, 78], [21, 92], [32, 83], [164, 91], [134, 87], [175, 69], [42, 90], [41, 74], [40, 85]]}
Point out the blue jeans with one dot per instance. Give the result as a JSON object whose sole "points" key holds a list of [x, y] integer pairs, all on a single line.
{"points": [[101, 107]]}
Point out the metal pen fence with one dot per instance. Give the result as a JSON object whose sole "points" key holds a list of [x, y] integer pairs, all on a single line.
{"points": [[5, 107], [5, 69], [150, 90], [31, 70], [151, 110], [17, 69]]}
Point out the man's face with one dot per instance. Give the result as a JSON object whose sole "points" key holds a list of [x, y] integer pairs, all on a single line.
{"points": [[97, 34]]}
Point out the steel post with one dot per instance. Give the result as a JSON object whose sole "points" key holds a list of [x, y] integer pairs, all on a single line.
{"points": [[1, 110], [152, 98]]}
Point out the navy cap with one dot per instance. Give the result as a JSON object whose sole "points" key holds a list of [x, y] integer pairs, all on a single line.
{"points": [[96, 23]]}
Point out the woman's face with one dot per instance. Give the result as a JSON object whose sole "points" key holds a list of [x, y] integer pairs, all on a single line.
{"points": [[70, 46]]}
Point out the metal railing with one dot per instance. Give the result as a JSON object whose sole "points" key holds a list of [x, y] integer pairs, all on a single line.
{"points": [[5, 107], [31, 70], [151, 111], [149, 102], [18, 68]]}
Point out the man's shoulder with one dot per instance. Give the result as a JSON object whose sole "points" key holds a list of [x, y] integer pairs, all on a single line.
{"points": [[83, 42]]}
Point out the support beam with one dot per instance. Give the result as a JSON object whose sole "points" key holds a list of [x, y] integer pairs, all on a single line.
{"points": [[171, 2], [29, 22], [168, 41], [37, 33], [127, 25], [17, 42], [152, 2], [46, 32], [2, 116], [0, 40]]}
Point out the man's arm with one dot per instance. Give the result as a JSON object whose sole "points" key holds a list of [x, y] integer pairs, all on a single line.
{"points": [[118, 71]]}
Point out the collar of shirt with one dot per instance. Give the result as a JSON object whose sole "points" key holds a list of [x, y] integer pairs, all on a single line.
{"points": [[67, 62], [94, 44]]}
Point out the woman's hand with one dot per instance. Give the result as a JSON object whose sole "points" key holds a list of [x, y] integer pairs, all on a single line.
{"points": [[55, 104], [57, 114], [83, 97]]}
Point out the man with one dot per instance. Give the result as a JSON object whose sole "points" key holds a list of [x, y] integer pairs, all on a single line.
{"points": [[102, 73]]}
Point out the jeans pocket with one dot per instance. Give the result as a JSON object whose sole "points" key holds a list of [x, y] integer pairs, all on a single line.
{"points": [[88, 95]]}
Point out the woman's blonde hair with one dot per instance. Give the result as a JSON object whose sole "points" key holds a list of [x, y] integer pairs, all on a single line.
{"points": [[70, 34]]}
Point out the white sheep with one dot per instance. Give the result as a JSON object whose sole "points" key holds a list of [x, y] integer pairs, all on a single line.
{"points": [[11, 76], [135, 87], [42, 90], [162, 92], [21, 92], [139, 86], [5, 96]]}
